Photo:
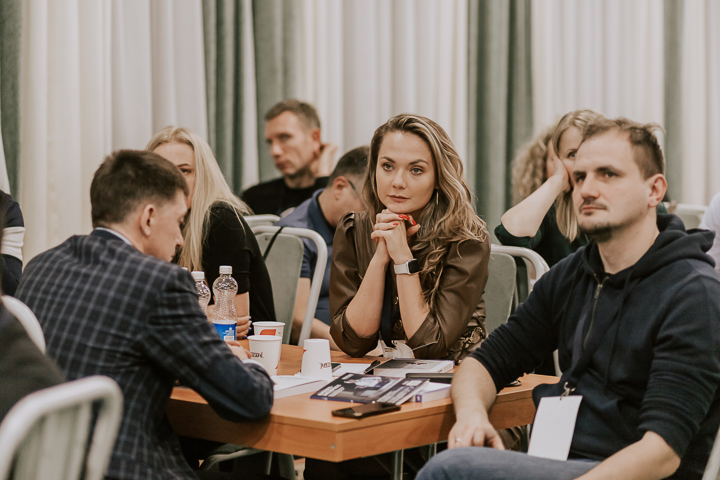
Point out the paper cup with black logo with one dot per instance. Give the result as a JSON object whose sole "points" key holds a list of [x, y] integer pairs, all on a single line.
{"points": [[269, 328], [316, 359], [266, 350]]}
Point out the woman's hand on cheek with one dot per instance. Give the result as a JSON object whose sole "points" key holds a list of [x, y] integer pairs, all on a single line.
{"points": [[560, 172]]}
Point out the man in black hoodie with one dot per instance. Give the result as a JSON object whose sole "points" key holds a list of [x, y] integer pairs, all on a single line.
{"points": [[634, 316]]}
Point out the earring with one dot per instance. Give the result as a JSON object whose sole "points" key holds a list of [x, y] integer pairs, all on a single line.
{"points": [[437, 194]]}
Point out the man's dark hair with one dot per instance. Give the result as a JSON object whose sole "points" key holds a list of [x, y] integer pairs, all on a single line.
{"points": [[352, 164], [646, 149], [126, 178], [305, 112]]}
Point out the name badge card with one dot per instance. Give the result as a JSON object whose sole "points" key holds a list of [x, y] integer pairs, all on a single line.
{"points": [[552, 431]]}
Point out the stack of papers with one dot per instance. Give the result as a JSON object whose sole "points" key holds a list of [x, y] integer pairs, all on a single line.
{"points": [[399, 367], [289, 385], [432, 391], [350, 368]]}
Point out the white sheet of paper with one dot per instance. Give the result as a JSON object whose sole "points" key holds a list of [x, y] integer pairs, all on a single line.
{"points": [[553, 428], [350, 368]]}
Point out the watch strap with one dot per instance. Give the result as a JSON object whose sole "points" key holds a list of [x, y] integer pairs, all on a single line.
{"points": [[408, 268]]}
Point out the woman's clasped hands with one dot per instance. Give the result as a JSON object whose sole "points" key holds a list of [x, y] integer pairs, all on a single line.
{"points": [[391, 235]]}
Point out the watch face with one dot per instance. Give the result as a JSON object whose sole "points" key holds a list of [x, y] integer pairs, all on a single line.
{"points": [[407, 268], [413, 266]]}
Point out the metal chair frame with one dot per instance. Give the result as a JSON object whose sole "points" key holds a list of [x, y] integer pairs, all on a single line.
{"points": [[318, 276], [27, 319], [45, 434]]}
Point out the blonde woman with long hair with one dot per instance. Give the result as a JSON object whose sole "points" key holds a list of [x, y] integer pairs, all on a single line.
{"points": [[412, 268], [215, 232], [543, 219]]}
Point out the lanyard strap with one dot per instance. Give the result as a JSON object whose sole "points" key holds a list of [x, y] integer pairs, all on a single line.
{"points": [[586, 344], [386, 316], [271, 243]]}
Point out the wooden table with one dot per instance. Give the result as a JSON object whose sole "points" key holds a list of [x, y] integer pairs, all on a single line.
{"points": [[300, 426]]}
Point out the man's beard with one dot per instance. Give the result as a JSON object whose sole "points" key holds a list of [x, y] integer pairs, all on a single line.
{"points": [[600, 233]]}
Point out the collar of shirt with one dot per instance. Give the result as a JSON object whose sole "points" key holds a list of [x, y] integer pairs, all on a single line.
{"points": [[319, 221], [117, 234]]}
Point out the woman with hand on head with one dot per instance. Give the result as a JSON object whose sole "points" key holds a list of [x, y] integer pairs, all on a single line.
{"points": [[215, 232], [544, 219], [411, 270]]}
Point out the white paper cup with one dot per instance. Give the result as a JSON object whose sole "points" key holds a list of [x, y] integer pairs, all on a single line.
{"points": [[316, 359], [266, 350], [269, 328]]}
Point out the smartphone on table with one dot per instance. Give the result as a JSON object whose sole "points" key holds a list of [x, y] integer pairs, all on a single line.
{"points": [[366, 410]]}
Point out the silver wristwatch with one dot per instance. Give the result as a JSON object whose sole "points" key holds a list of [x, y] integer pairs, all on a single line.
{"points": [[408, 268]]}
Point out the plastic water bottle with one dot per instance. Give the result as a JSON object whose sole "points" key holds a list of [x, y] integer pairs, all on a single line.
{"points": [[202, 289], [224, 314]]}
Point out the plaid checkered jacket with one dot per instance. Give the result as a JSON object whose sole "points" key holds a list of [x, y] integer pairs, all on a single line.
{"points": [[107, 309]]}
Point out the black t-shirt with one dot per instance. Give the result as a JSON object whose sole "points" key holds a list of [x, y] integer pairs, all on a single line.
{"points": [[10, 265], [274, 197], [231, 242]]}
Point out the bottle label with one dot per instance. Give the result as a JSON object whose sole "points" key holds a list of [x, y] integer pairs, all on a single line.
{"points": [[226, 332]]}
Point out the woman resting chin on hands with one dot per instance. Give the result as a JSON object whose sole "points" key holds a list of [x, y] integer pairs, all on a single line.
{"points": [[411, 270]]}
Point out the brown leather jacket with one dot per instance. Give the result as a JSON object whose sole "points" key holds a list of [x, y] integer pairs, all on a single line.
{"points": [[454, 327]]}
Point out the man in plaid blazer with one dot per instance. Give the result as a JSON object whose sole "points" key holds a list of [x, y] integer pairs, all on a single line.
{"points": [[110, 303]]}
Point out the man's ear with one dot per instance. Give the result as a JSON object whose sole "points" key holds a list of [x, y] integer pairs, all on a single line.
{"points": [[658, 186], [147, 219], [316, 139], [339, 184]]}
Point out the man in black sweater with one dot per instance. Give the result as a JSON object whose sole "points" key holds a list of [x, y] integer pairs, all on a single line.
{"points": [[293, 134], [634, 316]]}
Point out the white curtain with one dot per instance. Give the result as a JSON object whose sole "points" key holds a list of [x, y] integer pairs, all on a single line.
{"points": [[98, 76], [363, 61], [250, 167], [607, 56], [700, 80]]}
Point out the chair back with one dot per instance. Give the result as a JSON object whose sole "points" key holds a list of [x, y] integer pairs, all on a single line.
{"points": [[258, 220], [27, 319], [500, 290], [691, 215], [45, 435], [532, 267], [288, 275], [283, 263], [712, 467]]}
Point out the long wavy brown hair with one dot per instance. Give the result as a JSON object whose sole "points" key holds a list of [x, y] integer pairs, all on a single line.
{"points": [[451, 219]]}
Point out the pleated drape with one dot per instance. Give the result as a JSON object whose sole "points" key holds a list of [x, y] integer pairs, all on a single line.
{"points": [[277, 54], [10, 40], [698, 62], [360, 62], [672, 93], [500, 99], [231, 93], [99, 76]]}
